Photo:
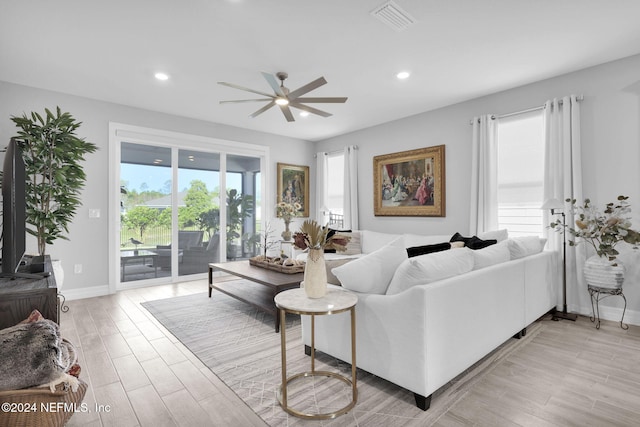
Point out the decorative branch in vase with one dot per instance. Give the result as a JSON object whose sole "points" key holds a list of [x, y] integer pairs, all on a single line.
{"points": [[316, 238], [602, 230], [287, 211]]}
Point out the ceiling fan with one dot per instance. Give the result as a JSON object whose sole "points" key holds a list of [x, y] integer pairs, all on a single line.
{"points": [[285, 98]]}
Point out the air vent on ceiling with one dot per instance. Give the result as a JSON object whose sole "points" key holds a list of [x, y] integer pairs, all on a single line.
{"points": [[393, 15]]}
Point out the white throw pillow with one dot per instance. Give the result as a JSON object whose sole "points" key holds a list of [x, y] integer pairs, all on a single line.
{"points": [[499, 235], [372, 240], [371, 273], [429, 268], [523, 246], [491, 255]]}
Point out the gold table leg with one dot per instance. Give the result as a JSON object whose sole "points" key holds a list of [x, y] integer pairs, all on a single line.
{"points": [[282, 395]]}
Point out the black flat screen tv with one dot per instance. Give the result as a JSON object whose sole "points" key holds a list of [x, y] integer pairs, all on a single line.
{"points": [[13, 213]]}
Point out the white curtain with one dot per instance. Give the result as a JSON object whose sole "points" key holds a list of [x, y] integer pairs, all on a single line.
{"points": [[484, 176], [322, 195], [350, 200], [563, 180]]}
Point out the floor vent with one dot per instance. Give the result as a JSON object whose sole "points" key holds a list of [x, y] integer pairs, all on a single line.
{"points": [[392, 15]]}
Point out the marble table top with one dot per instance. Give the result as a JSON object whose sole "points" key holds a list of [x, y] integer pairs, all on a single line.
{"points": [[297, 301]]}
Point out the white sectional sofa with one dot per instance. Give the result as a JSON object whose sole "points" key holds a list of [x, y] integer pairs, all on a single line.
{"points": [[423, 336]]}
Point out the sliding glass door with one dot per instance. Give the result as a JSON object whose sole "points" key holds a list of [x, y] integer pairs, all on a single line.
{"points": [[243, 202], [198, 211], [181, 209], [145, 212]]}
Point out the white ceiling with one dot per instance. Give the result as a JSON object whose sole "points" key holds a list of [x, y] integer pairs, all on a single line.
{"points": [[456, 50]]}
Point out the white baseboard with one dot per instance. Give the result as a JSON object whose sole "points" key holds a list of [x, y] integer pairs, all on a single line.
{"points": [[614, 314], [93, 291]]}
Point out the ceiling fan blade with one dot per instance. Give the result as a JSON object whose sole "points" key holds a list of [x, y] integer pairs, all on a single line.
{"points": [[307, 88], [337, 100], [310, 109], [263, 109], [245, 100], [273, 83], [287, 112], [246, 89]]}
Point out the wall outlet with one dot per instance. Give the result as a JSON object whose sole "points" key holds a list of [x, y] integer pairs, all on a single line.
{"points": [[77, 268], [94, 213]]}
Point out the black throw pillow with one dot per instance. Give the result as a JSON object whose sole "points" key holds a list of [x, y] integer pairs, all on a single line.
{"points": [[428, 249], [473, 242], [459, 238], [477, 243]]}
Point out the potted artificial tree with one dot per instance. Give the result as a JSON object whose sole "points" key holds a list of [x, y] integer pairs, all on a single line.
{"points": [[53, 156]]}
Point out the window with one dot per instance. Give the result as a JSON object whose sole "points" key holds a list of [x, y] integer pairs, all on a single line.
{"points": [[335, 189], [521, 173]]}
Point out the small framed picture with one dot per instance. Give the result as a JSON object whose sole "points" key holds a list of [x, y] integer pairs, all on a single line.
{"points": [[293, 186], [410, 183]]}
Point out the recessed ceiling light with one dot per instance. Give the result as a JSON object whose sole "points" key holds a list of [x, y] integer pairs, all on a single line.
{"points": [[403, 75], [162, 76], [304, 113]]}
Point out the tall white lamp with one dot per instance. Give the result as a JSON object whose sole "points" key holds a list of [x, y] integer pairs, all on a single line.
{"points": [[554, 205]]}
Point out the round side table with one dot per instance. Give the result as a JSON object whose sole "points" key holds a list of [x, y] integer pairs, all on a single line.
{"points": [[335, 301]]}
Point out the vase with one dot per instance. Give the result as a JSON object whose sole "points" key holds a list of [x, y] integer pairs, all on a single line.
{"points": [[286, 234], [315, 274], [602, 273]]}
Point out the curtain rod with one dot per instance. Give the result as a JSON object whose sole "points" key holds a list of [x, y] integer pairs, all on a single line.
{"points": [[335, 151], [579, 98]]}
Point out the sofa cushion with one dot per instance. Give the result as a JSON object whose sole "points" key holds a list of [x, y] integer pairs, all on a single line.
{"points": [[473, 242], [373, 240], [523, 246], [412, 240], [499, 235], [491, 255], [429, 268], [330, 264], [371, 273], [428, 249]]}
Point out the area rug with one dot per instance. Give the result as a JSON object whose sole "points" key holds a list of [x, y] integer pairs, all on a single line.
{"points": [[239, 345]]}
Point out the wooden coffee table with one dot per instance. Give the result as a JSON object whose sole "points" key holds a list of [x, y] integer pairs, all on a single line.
{"points": [[259, 287]]}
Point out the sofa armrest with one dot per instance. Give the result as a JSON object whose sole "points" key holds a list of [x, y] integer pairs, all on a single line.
{"points": [[394, 332]]}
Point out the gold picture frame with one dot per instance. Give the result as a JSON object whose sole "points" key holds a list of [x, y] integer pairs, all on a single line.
{"points": [[293, 186], [410, 183]]}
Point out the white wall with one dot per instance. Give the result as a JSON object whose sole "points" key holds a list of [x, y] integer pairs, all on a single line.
{"points": [[610, 131], [88, 238]]}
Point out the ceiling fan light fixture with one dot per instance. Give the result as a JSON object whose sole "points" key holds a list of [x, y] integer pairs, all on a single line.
{"points": [[161, 76], [286, 99]]}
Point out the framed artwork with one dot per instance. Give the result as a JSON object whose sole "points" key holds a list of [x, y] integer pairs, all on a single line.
{"points": [[410, 183], [293, 186]]}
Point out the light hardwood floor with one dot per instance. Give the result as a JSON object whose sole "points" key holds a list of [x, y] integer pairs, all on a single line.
{"points": [[572, 374], [141, 371]]}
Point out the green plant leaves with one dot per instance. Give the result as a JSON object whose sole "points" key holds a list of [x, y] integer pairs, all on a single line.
{"points": [[52, 154]]}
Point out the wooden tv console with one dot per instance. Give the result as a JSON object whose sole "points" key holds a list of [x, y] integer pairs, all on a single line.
{"points": [[19, 297]]}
